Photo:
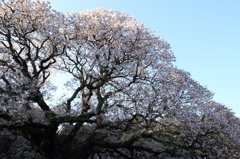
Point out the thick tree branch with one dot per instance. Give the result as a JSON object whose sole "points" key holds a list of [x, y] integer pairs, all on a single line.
{"points": [[72, 119]]}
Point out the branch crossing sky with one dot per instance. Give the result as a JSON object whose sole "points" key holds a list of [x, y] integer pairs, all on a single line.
{"points": [[204, 36]]}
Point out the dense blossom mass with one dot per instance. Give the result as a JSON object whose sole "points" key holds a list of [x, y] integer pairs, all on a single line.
{"points": [[125, 97]]}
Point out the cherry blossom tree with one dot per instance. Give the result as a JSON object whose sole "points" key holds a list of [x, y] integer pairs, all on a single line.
{"points": [[125, 97]]}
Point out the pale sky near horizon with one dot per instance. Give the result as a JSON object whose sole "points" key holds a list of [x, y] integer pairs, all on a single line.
{"points": [[204, 36]]}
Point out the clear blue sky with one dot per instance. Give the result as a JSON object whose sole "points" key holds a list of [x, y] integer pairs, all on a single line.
{"points": [[204, 35]]}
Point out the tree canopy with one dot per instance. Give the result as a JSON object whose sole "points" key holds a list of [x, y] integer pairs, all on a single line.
{"points": [[126, 97]]}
